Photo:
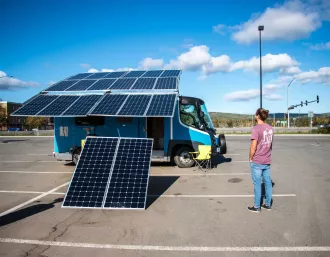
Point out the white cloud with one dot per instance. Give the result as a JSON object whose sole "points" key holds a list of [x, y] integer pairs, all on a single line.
{"points": [[217, 64], [149, 63], [321, 46], [273, 97], [85, 65], [92, 70], [8, 83], [220, 29], [107, 70], [125, 69], [291, 21], [320, 76], [270, 63], [290, 70]]}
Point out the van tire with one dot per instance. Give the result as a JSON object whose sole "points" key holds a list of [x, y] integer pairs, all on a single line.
{"points": [[75, 155], [223, 145], [181, 157]]}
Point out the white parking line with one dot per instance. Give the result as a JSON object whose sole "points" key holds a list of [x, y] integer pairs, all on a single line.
{"points": [[29, 161], [32, 200], [199, 174], [43, 154], [170, 248], [232, 154], [35, 172], [165, 196]]}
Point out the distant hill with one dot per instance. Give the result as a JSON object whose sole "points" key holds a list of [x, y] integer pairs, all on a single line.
{"points": [[278, 115]]}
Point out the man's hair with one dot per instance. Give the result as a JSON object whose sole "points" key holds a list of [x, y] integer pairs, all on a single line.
{"points": [[262, 113]]}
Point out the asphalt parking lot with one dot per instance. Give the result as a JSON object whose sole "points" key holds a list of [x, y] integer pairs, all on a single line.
{"points": [[189, 212]]}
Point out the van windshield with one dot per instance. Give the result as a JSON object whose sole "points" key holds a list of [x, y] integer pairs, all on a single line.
{"points": [[207, 117]]}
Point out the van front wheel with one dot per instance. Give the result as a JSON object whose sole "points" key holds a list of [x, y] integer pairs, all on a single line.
{"points": [[76, 155], [182, 157]]}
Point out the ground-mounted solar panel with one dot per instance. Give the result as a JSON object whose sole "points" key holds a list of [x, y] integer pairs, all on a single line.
{"points": [[98, 75], [134, 74], [162, 106], [153, 73], [109, 105], [61, 86], [116, 74], [144, 83], [130, 175], [57, 107], [171, 73], [80, 76], [135, 105], [123, 84], [82, 106], [35, 105], [102, 84], [91, 176], [81, 85], [166, 83]]}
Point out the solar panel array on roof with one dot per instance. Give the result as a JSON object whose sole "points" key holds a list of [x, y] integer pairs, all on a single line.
{"points": [[109, 105], [57, 107], [135, 105], [98, 75], [82, 106], [171, 73], [166, 83], [153, 73], [162, 105], [82, 85], [61, 86], [102, 84], [111, 173], [115, 74], [134, 74], [144, 83], [80, 76], [123, 84], [35, 105]]}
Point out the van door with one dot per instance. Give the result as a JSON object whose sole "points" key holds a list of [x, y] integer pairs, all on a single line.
{"points": [[155, 130]]}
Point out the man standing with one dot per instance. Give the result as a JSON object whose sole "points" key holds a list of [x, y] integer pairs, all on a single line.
{"points": [[260, 160]]}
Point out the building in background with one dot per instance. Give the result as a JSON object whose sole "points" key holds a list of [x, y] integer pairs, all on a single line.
{"points": [[12, 122]]}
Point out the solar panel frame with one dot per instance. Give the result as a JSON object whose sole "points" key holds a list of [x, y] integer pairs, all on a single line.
{"points": [[117, 106], [163, 83], [98, 84], [33, 104], [123, 84], [171, 73], [152, 74], [61, 86], [168, 103], [81, 85], [62, 102], [82, 110], [144, 84], [133, 105], [134, 74]]}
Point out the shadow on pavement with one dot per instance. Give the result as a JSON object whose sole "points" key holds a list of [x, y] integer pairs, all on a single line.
{"points": [[27, 212], [158, 186], [219, 159]]}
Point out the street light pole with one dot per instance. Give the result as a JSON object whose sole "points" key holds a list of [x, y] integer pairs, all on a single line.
{"points": [[260, 28], [287, 102]]}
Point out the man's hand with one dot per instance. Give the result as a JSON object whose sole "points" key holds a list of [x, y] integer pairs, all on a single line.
{"points": [[253, 149]]}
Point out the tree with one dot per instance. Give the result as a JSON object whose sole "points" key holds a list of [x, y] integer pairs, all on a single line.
{"points": [[35, 122], [3, 116]]}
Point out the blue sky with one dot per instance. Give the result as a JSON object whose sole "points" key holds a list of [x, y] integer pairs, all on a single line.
{"points": [[215, 43]]}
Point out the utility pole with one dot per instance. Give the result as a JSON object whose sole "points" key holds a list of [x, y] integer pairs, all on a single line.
{"points": [[260, 28], [287, 102]]}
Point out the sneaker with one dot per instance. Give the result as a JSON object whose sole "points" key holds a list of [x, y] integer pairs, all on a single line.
{"points": [[268, 208], [254, 209]]}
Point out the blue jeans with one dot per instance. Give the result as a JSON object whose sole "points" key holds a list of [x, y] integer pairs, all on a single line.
{"points": [[261, 172]]}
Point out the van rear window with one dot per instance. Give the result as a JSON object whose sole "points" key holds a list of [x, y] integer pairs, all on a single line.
{"points": [[90, 121]]}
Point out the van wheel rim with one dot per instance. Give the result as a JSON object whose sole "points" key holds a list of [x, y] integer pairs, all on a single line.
{"points": [[185, 157]]}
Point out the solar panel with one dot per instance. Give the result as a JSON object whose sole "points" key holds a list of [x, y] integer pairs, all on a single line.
{"points": [[102, 84], [109, 105], [123, 84], [130, 175], [57, 107], [80, 76], [171, 73], [115, 74], [61, 86], [166, 83], [135, 105], [144, 83], [98, 75], [152, 73], [35, 105], [162, 105], [90, 179], [82, 106], [82, 85], [134, 74]]}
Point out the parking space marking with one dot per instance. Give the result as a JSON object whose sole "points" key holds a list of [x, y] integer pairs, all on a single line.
{"points": [[199, 174], [165, 196], [43, 154], [36, 172], [169, 248], [238, 161], [232, 154], [33, 199], [28, 161]]}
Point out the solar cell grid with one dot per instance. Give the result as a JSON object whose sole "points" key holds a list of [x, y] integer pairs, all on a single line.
{"points": [[152, 73], [129, 180], [98, 75], [109, 105], [82, 106], [35, 105], [162, 105], [171, 73], [144, 83], [115, 74], [134, 74], [166, 83], [102, 84], [57, 107], [80, 76], [135, 105], [82, 85], [61, 86], [123, 84], [89, 182]]}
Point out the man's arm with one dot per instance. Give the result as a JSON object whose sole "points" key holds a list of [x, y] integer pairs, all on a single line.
{"points": [[253, 148]]}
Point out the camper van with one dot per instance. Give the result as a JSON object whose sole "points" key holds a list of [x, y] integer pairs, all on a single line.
{"points": [[139, 104]]}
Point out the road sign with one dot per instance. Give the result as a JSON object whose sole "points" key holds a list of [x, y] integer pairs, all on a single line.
{"points": [[310, 114]]}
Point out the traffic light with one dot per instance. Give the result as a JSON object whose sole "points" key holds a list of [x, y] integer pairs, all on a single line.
{"points": [[306, 103], [317, 99], [302, 103], [286, 116]]}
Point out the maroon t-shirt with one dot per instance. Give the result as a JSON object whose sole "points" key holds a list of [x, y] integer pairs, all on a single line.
{"points": [[263, 133]]}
